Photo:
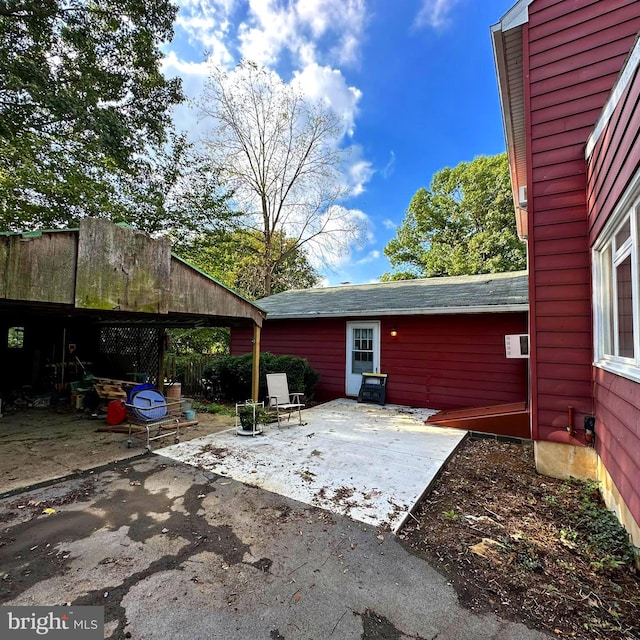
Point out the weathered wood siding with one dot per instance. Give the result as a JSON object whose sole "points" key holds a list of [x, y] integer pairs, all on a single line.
{"points": [[194, 293], [38, 268], [441, 362], [573, 54], [614, 161], [121, 269], [112, 268]]}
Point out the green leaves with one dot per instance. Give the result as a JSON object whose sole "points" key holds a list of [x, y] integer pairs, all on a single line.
{"points": [[82, 98], [463, 224]]}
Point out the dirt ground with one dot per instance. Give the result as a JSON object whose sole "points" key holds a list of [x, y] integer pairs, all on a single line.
{"points": [[41, 444], [532, 549]]}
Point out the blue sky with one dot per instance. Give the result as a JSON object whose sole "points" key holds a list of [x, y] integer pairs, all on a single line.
{"points": [[413, 80]]}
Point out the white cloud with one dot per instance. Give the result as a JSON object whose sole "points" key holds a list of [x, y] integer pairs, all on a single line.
{"points": [[329, 86], [390, 167], [207, 28], [435, 13], [296, 26], [389, 224], [171, 64], [370, 257], [359, 173], [193, 76], [317, 36]]}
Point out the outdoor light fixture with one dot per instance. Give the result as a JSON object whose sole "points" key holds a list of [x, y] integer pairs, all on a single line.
{"points": [[394, 332]]}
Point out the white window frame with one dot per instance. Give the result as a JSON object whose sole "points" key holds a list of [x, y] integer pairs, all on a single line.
{"points": [[606, 256]]}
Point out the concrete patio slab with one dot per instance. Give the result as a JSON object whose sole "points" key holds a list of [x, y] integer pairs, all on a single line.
{"points": [[369, 462]]}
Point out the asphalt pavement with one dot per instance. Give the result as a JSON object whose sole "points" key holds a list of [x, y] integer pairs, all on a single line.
{"points": [[172, 551]]}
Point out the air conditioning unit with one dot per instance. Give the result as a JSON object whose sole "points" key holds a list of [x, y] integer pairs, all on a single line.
{"points": [[517, 345]]}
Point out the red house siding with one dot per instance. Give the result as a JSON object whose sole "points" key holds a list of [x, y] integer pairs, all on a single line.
{"points": [[323, 344], [573, 53], [614, 160], [440, 362]]}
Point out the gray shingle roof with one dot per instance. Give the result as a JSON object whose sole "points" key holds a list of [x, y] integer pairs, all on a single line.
{"points": [[459, 294]]}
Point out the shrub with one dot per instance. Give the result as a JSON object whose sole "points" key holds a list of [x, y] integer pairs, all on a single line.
{"points": [[232, 375]]}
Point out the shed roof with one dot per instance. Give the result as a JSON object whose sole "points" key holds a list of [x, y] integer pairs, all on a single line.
{"points": [[486, 293], [113, 274]]}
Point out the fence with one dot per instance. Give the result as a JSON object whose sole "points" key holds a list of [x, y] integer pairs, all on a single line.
{"points": [[189, 371]]}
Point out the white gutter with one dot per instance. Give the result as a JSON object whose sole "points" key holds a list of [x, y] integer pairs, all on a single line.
{"points": [[516, 16]]}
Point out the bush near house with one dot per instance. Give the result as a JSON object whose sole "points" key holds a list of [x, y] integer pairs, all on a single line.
{"points": [[232, 375]]}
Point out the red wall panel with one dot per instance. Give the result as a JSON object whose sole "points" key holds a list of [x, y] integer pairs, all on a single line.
{"points": [[615, 159], [573, 52], [618, 434], [440, 362]]}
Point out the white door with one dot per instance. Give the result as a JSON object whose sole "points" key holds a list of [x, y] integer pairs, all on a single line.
{"points": [[363, 353]]}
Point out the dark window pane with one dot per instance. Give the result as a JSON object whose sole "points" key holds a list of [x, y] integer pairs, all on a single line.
{"points": [[623, 234], [624, 308]]}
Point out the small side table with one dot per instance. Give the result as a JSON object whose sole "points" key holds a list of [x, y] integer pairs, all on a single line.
{"points": [[248, 430]]}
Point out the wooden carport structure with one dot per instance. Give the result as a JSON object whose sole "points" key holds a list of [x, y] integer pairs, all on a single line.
{"points": [[78, 282]]}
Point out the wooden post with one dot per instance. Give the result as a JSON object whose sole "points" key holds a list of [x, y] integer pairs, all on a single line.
{"points": [[255, 378]]}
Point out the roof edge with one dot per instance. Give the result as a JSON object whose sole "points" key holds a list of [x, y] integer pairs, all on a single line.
{"points": [[513, 20], [515, 17], [370, 313], [626, 74]]}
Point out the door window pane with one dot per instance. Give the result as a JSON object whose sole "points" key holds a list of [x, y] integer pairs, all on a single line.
{"points": [[362, 352]]}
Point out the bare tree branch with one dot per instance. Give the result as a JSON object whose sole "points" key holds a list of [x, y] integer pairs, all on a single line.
{"points": [[281, 155]]}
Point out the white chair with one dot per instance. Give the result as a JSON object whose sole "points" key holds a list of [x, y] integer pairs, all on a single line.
{"points": [[280, 400]]}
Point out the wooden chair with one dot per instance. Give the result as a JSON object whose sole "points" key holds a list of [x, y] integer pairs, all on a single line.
{"points": [[280, 400]]}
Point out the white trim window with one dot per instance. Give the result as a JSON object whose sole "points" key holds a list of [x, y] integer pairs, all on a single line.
{"points": [[616, 288]]}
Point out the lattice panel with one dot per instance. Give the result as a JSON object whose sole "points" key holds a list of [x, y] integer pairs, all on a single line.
{"points": [[139, 345]]}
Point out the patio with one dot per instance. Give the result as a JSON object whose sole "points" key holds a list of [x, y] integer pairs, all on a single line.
{"points": [[366, 461]]}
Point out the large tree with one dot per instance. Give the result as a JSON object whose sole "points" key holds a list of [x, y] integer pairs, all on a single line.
{"points": [[280, 154], [82, 98], [463, 224], [175, 192]]}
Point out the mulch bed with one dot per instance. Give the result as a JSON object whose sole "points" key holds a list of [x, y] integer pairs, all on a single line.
{"points": [[532, 549]]}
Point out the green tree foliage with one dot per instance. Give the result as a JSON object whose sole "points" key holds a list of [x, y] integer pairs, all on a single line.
{"points": [[236, 258], [232, 375], [280, 154], [200, 341], [173, 191], [463, 224], [82, 98]]}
